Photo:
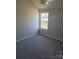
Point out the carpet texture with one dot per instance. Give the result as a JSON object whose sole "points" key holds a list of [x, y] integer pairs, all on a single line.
{"points": [[39, 47]]}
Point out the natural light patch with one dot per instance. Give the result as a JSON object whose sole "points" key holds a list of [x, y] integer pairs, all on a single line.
{"points": [[44, 20]]}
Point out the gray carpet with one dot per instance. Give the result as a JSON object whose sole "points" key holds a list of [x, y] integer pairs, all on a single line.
{"points": [[38, 47]]}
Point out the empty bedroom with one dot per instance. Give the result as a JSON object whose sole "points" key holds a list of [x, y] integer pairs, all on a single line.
{"points": [[39, 29]]}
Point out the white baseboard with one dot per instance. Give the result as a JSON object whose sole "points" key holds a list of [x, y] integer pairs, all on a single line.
{"points": [[51, 36], [26, 37]]}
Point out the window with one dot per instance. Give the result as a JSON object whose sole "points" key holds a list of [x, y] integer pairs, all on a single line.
{"points": [[44, 20]]}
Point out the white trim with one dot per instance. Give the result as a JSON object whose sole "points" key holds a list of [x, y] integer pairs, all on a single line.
{"points": [[50, 36], [26, 37]]}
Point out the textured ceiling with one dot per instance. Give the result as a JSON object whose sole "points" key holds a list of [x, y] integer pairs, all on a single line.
{"points": [[52, 4]]}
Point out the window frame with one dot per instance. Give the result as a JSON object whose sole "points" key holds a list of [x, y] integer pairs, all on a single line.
{"points": [[41, 20]]}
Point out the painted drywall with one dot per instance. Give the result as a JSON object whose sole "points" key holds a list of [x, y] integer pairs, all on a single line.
{"points": [[27, 18], [55, 23]]}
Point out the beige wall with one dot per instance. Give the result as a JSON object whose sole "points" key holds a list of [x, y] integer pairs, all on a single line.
{"points": [[55, 23], [27, 17]]}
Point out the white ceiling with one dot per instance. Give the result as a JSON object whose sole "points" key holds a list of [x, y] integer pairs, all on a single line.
{"points": [[52, 4]]}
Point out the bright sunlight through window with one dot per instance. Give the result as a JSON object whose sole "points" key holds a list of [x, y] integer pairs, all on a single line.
{"points": [[44, 20]]}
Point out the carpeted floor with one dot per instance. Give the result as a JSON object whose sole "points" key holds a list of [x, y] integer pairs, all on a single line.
{"points": [[38, 47]]}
